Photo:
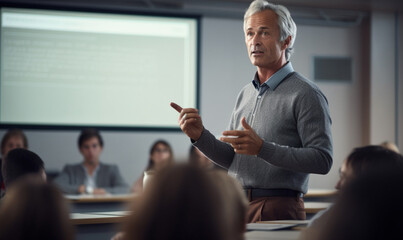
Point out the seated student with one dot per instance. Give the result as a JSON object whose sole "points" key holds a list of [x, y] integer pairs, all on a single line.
{"points": [[161, 155], [368, 207], [185, 202], [361, 161], [91, 176], [33, 209], [14, 138], [20, 162]]}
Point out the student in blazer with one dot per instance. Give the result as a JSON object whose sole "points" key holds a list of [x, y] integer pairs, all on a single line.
{"points": [[91, 176]]}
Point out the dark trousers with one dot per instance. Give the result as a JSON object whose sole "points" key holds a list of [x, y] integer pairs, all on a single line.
{"points": [[276, 208]]}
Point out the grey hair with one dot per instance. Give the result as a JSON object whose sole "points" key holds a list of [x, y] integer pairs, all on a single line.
{"points": [[285, 22]]}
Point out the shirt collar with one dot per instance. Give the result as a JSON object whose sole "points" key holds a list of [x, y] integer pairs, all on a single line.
{"points": [[276, 78], [94, 173]]}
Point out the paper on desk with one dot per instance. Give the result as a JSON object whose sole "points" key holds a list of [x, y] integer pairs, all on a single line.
{"points": [[112, 213], [268, 227]]}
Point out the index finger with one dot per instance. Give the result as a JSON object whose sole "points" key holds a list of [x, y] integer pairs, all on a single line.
{"points": [[176, 107]]}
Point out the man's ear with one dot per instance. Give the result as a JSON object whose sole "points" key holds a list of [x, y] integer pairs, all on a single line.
{"points": [[286, 42]]}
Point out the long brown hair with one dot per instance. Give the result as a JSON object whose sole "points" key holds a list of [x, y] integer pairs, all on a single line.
{"points": [[33, 209], [182, 203]]}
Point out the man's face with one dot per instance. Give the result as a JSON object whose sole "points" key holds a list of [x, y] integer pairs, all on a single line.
{"points": [[346, 174], [12, 143], [91, 150], [262, 37]]}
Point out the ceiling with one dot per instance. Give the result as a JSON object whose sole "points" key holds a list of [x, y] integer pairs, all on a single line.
{"points": [[314, 12]]}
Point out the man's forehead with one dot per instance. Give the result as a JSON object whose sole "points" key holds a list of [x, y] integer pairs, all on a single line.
{"points": [[263, 19]]}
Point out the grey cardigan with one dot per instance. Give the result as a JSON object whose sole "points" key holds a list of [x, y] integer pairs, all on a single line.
{"points": [[108, 178], [294, 121]]}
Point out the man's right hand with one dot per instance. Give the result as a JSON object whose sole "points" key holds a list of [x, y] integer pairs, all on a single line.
{"points": [[189, 121]]}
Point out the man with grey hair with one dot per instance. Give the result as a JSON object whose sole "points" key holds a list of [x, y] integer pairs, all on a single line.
{"points": [[280, 128]]}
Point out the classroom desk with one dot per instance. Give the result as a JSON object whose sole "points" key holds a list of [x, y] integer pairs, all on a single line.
{"points": [[324, 195], [104, 225], [97, 225], [98, 217], [273, 235], [286, 234], [99, 203], [314, 207]]}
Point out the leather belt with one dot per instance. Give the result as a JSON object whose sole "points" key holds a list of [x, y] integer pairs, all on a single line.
{"points": [[253, 193]]}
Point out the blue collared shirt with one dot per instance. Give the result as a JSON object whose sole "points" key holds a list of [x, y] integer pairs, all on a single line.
{"points": [[274, 80]]}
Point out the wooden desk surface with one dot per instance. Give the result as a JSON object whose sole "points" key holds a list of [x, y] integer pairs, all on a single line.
{"points": [[318, 193], [314, 207], [87, 198]]}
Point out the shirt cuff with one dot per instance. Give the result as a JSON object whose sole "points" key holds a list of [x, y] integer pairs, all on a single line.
{"points": [[203, 139], [194, 141]]}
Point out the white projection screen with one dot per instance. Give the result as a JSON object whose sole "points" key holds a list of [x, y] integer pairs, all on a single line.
{"points": [[74, 68]]}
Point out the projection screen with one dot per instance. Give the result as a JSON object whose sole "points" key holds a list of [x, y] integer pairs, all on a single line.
{"points": [[75, 68]]}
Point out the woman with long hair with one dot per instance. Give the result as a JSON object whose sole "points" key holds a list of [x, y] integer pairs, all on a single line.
{"points": [[161, 155]]}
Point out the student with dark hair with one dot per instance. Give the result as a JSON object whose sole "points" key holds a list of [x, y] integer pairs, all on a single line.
{"points": [[161, 155], [20, 162], [361, 161], [186, 202], [366, 159], [14, 138], [91, 176], [33, 209], [368, 207], [88, 134]]}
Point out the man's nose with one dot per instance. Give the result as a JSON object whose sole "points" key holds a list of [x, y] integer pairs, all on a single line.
{"points": [[256, 40]]}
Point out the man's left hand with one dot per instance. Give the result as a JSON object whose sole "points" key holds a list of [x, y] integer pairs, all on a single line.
{"points": [[243, 141]]}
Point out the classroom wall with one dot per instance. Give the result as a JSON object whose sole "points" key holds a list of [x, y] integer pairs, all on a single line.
{"points": [[225, 69], [344, 98], [382, 78]]}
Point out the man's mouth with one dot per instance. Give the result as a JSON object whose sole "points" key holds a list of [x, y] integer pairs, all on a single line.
{"points": [[257, 52]]}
